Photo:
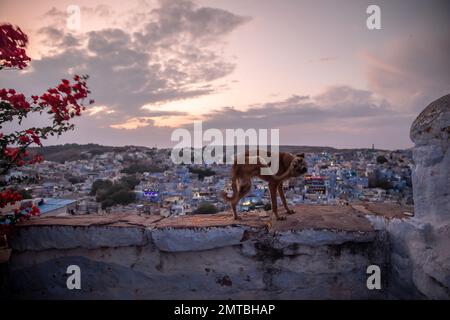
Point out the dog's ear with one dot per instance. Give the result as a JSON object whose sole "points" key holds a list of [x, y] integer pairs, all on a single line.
{"points": [[301, 155]]}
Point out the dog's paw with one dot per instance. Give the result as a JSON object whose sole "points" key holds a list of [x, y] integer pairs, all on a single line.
{"points": [[290, 211]]}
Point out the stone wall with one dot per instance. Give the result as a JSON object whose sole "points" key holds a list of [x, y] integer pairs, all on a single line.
{"points": [[122, 258], [421, 246]]}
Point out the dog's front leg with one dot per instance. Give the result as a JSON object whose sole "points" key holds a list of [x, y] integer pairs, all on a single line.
{"points": [[283, 199], [273, 198]]}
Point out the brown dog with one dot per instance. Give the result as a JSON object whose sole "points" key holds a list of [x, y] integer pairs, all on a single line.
{"points": [[242, 174]]}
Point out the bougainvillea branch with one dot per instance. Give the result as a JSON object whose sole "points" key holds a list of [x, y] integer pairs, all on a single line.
{"points": [[12, 47], [61, 103]]}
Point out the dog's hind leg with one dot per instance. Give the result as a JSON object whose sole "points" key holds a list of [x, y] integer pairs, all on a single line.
{"points": [[243, 187], [233, 207], [235, 198]]}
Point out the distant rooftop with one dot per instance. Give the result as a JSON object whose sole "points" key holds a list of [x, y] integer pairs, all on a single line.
{"points": [[51, 204]]}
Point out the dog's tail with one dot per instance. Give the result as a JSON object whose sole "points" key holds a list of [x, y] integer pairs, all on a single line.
{"points": [[235, 194]]}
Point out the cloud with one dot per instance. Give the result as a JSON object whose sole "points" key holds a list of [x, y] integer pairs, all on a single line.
{"points": [[59, 17], [412, 71], [98, 111], [339, 116], [181, 21], [56, 40], [175, 54], [100, 10], [134, 123], [162, 113], [323, 59], [333, 104], [55, 15], [95, 129]]}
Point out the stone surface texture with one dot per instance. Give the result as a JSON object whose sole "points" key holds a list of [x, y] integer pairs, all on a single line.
{"points": [[318, 252], [423, 243]]}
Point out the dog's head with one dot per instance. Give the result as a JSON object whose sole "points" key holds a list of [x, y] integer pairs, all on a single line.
{"points": [[298, 165]]}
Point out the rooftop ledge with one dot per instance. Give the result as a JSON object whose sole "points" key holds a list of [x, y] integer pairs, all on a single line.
{"points": [[311, 225], [320, 252]]}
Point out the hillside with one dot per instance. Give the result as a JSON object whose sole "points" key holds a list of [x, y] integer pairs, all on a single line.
{"points": [[74, 151]]}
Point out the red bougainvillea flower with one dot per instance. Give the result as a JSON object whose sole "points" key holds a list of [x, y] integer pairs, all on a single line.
{"points": [[12, 47], [36, 159], [16, 100], [14, 156], [64, 100], [24, 139], [34, 136], [11, 152], [9, 197], [34, 211], [28, 136]]}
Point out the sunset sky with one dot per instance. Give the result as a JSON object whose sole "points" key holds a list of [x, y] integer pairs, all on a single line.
{"points": [[310, 68]]}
